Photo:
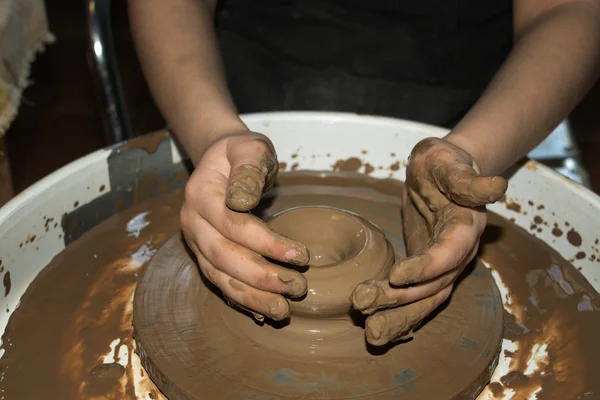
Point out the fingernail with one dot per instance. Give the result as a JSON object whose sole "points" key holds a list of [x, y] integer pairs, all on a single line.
{"points": [[278, 311], [364, 296], [374, 328], [296, 286], [297, 256]]}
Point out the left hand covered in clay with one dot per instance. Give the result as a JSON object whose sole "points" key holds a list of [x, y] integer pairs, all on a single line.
{"points": [[444, 216]]}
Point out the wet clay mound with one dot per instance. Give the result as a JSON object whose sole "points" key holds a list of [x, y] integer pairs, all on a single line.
{"points": [[194, 346], [72, 336], [345, 250]]}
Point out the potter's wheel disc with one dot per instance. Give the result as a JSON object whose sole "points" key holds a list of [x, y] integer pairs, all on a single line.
{"points": [[193, 349]]}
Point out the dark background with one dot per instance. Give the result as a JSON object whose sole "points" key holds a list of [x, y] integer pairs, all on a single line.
{"points": [[59, 119]]}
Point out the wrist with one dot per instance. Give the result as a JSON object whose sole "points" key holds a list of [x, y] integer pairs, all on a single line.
{"points": [[207, 128], [218, 126], [474, 149]]}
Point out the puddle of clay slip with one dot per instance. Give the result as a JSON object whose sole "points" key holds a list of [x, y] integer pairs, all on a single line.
{"points": [[141, 256], [503, 368], [534, 394], [556, 275], [126, 357], [130, 361], [510, 394], [141, 382], [508, 303], [110, 357], [537, 357], [504, 293], [120, 351]]}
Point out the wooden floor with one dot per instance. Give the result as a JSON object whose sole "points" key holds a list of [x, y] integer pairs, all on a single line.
{"points": [[59, 119]]}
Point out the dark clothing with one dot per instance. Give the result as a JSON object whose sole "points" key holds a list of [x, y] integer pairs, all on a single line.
{"points": [[423, 60]]}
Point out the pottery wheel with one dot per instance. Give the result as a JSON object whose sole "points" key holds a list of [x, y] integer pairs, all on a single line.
{"points": [[195, 346]]}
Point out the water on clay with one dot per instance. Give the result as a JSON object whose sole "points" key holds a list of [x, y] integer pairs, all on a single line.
{"points": [[71, 336]]}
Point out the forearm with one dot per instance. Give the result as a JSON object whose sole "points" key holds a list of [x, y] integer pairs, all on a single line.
{"points": [[177, 48], [552, 66]]}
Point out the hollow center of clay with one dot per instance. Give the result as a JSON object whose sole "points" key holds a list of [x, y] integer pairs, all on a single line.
{"points": [[345, 249], [332, 236]]}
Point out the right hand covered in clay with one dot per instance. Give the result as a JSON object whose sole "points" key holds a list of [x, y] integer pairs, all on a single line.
{"points": [[227, 240]]}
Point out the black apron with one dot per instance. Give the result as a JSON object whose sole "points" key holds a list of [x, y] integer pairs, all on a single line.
{"points": [[422, 60]]}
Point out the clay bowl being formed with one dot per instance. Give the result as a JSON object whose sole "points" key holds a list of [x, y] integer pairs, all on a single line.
{"points": [[345, 250]]}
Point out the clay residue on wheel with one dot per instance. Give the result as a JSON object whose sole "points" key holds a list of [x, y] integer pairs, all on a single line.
{"points": [[83, 301], [552, 316], [149, 143]]}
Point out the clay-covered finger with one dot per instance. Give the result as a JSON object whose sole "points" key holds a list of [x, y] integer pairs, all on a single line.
{"points": [[247, 266], [244, 228], [416, 231], [399, 323], [371, 296], [464, 186], [258, 302], [454, 246], [253, 169]]}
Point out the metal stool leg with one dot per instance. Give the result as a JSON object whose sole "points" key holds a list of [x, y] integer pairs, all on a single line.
{"points": [[103, 65]]}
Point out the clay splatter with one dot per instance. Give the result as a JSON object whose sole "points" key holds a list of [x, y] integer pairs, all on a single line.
{"points": [[7, 283], [557, 232], [574, 238], [352, 164], [516, 207]]}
